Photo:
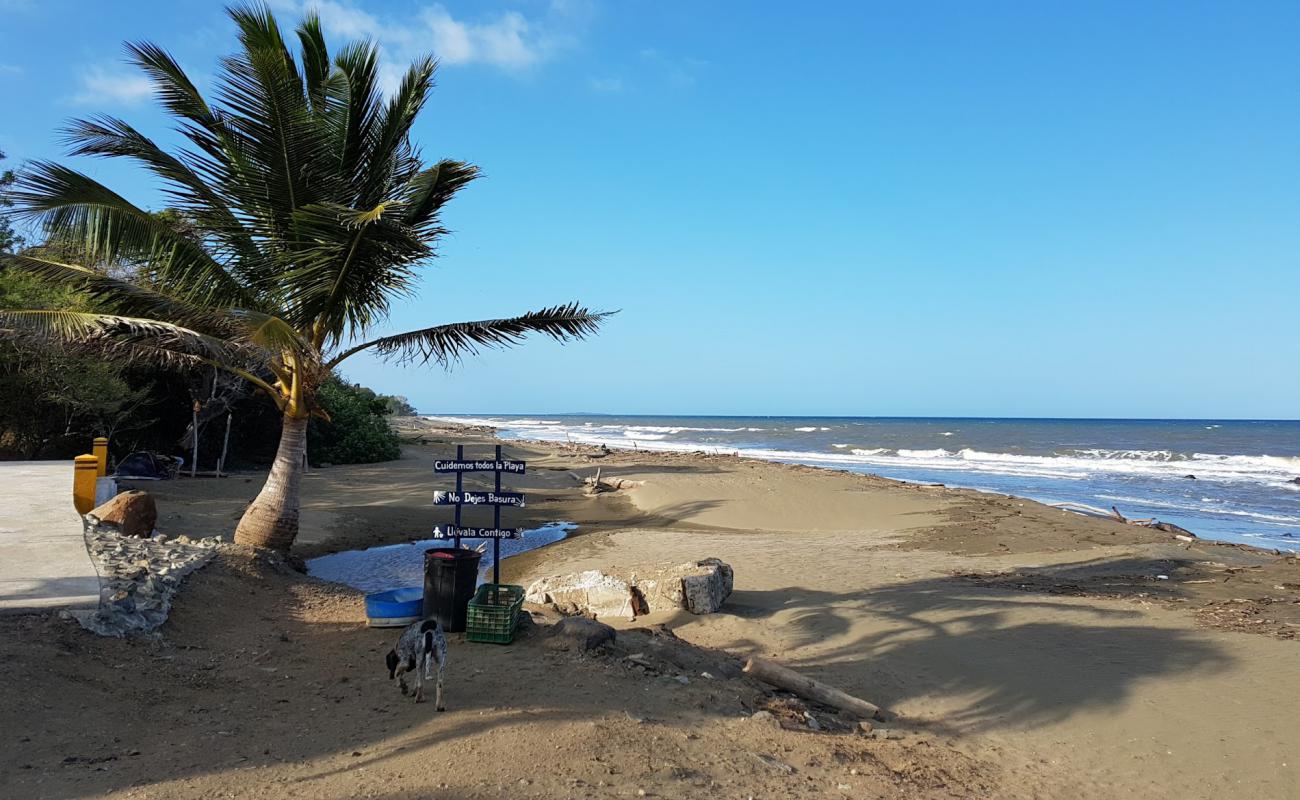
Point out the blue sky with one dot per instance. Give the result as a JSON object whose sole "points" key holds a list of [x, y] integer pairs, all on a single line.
{"points": [[930, 208]]}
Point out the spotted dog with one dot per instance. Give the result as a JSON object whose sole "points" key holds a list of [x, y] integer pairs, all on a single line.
{"points": [[420, 646]]}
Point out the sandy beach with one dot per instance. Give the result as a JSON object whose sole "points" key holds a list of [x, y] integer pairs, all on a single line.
{"points": [[1020, 650]]}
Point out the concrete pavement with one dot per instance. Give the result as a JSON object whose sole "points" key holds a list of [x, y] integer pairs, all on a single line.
{"points": [[43, 559]]}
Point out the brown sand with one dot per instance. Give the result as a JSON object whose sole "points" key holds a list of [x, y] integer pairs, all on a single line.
{"points": [[1026, 651]]}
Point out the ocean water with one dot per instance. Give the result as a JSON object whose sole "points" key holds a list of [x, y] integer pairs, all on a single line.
{"points": [[1243, 489]]}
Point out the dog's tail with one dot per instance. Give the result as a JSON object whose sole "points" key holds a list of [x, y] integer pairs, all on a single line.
{"points": [[428, 644]]}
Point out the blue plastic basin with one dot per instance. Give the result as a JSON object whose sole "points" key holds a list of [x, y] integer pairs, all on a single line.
{"points": [[395, 607]]}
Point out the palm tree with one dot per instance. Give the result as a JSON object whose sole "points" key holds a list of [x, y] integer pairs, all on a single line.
{"points": [[297, 212]]}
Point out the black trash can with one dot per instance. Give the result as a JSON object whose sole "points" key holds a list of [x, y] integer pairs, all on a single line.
{"points": [[450, 577]]}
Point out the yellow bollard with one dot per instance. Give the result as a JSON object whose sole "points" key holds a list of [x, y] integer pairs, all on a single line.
{"points": [[100, 449], [83, 482]]}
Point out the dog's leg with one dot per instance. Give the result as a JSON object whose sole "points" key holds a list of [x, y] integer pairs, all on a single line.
{"points": [[437, 694], [419, 684]]}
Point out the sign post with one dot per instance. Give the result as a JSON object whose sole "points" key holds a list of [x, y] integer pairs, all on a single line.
{"points": [[495, 498]]}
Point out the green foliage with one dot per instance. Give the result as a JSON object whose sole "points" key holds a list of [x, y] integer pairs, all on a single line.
{"points": [[357, 431], [54, 400], [10, 241], [399, 406]]}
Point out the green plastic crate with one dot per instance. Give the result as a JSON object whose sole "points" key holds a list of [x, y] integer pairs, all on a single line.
{"points": [[493, 613]]}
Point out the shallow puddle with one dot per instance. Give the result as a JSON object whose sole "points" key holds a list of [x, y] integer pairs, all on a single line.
{"points": [[397, 565]]}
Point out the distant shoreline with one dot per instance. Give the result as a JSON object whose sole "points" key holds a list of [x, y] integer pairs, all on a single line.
{"points": [[1240, 498]]}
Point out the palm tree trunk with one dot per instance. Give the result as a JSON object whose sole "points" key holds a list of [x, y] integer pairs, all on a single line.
{"points": [[272, 519]]}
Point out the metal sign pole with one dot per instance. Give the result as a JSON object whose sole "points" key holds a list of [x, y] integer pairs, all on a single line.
{"points": [[460, 490], [496, 523]]}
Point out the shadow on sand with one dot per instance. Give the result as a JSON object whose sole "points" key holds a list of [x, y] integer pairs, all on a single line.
{"points": [[991, 657]]}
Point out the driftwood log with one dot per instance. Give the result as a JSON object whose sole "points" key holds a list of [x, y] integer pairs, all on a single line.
{"points": [[1093, 511], [596, 485], [809, 689]]}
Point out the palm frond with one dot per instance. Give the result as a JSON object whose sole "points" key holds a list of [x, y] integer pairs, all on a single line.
{"points": [[272, 333], [390, 161], [430, 190], [114, 335], [354, 110], [185, 187], [351, 265], [121, 296], [267, 109], [446, 344], [107, 228], [315, 60]]}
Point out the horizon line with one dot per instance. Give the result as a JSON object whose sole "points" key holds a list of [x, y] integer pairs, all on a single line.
{"points": [[844, 416]]}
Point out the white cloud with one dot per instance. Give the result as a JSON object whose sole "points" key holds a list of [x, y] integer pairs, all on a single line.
{"points": [[100, 86], [10, 69], [678, 71], [508, 40], [609, 85]]}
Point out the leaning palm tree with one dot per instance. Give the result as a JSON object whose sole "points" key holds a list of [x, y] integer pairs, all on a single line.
{"points": [[298, 210]]}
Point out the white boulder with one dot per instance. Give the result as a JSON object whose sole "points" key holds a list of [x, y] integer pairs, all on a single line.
{"points": [[700, 587]]}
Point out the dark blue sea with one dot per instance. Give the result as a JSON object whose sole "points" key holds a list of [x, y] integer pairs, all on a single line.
{"points": [[1233, 480]]}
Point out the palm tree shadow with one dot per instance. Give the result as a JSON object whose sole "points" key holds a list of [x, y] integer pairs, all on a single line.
{"points": [[988, 657]]}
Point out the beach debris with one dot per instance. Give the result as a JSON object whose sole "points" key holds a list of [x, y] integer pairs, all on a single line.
{"points": [[594, 484], [809, 689], [130, 513], [700, 587], [779, 766], [1151, 522], [579, 633]]}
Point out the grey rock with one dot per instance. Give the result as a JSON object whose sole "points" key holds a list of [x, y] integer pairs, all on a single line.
{"points": [[766, 719], [700, 587], [580, 633]]}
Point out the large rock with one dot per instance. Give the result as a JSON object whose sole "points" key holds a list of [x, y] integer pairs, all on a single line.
{"points": [[131, 513], [700, 587], [592, 591], [579, 633]]}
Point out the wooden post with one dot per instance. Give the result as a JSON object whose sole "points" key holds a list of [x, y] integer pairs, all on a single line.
{"points": [[460, 488], [496, 523], [194, 451], [225, 443], [100, 449], [84, 476], [809, 689]]}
